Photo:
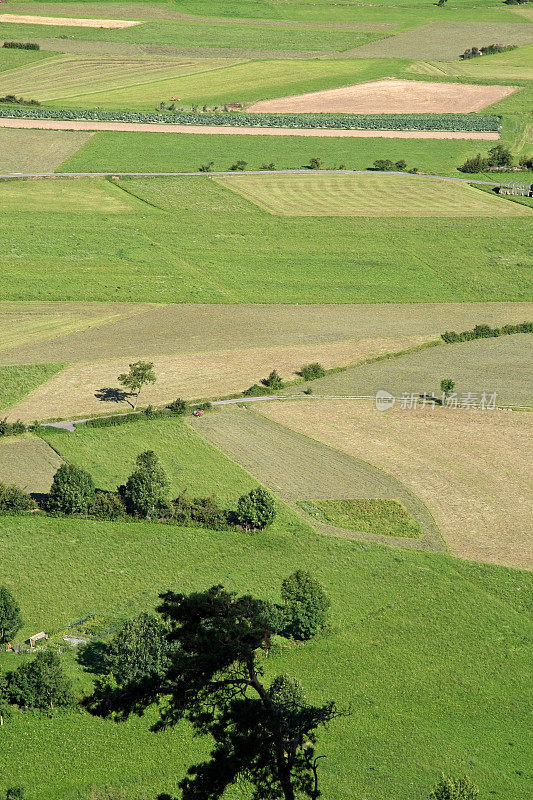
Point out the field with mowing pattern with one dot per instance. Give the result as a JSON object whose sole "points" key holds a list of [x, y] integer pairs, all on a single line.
{"points": [[27, 462], [204, 243], [419, 619], [469, 467], [17, 381], [37, 151], [373, 516], [367, 196]]}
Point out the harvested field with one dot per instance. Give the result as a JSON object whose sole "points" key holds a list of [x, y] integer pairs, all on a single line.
{"points": [[298, 468], [18, 380], [37, 151], [84, 195], [367, 195], [71, 332], [68, 22], [501, 365], [86, 125], [87, 388], [469, 467], [390, 97], [28, 462], [68, 76], [446, 40]]}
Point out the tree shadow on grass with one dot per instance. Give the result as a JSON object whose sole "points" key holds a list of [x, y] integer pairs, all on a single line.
{"points": [[110, 394]]}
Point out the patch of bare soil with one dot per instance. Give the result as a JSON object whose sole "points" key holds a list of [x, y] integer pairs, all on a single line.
{"points": [[69, 22], [390, 96]]}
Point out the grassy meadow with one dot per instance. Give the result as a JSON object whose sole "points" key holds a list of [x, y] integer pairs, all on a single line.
{"points": [[458, 623], [18, 380], [37, 151], [192, 240]]}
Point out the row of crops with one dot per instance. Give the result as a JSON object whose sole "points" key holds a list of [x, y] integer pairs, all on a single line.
{"points": [[366, 122]]}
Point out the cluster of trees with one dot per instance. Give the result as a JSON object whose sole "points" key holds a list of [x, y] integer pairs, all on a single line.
{"points": [[273, 382], [488, 50], [386, 165], [145, 495], [11, 428], [497, 158]]}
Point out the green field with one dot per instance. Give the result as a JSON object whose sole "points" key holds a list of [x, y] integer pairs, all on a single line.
{"points": [[367, 195], [484, 365], [372, 516], [456, 619], [165, 152], [210, 245], [17, 381]]}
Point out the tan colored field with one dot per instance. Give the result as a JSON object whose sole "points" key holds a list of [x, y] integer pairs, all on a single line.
{"points": [[154, 127], [71, 393], [390, 97], [471, 468], [68, 22], [28, 462]]}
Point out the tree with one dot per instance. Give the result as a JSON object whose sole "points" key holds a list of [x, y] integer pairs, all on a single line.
{"points": [[264, 734], [383, 165], [41, 683], [13, 500], [10, 619], [447, 386], [140, 373], [256, 509], [5, 708], [454, 789], [311, 372], [273, 381], [499, 156], [72, 491], [138, 650], [475, 164], [145, 491], [305, 605]]}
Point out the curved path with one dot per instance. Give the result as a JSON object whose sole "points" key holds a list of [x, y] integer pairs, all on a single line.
{"points": [[167, 127]]}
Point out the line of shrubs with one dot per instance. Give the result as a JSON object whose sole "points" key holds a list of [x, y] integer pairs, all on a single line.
{"points": [[11, 428], [20, 101], [22, 45], [488, 50], [273, 383], [177, 408], [498, 158], [371, 122], [145, 495], [486, 332]]}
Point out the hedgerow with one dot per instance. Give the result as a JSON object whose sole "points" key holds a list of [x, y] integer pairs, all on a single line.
{"points": [[486, 332], [370, 122]]}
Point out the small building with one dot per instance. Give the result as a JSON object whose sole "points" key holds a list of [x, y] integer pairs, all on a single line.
{"points": [[37, 638], [516, 188]]}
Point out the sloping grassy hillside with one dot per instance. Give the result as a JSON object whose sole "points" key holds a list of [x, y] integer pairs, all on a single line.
{"points": [[413, 638]]}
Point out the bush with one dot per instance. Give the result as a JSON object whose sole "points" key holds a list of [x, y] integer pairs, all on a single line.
{"points": [[11, 428], [10, 98], [454, 789], [311, 372], [72, 491], [270, 166], [475, 164], [239, 166], [383, 165], [14, 501], [145, 491], [116, 419], [256, 391], [41, 683], [315, 163], [273, 382], [178, 406], [485, 331], [108, 506], [207, 167], [22, 45], [499, 156], [305, 605], [256, 509], [203, 511]]}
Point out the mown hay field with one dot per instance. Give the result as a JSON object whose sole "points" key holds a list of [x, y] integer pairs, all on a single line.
{"points": [[513, 64], [455, 618], [368, 195], [501, 366], [204, 243], [299, 469], [28, 462], [73, 332], [90, 387], [18, 380], [469, 467], [37, 151]]}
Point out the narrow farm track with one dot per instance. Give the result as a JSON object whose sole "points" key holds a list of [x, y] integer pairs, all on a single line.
{"points": [[154, 127]]}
